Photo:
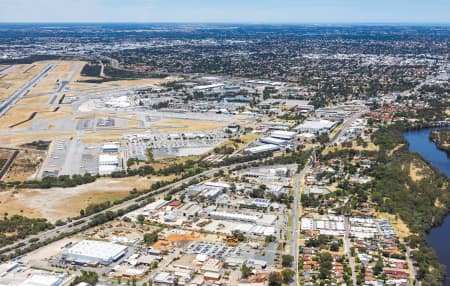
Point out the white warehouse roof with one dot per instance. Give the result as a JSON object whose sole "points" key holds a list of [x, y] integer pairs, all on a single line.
{"points": [[106, 169], [42, 280], [233, 216], [110, 146], [105, 159], [272, 140], [281, 134], [94, 252], [262, 148], [316, 125]]}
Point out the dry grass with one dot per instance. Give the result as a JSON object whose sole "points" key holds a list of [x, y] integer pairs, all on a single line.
{"points": [[18, 76], [161, 163], [415, 172], [25, 165], [19, 113], [370, 147], [401, 229], [133, 123], [107, 135], [139, 82], [179, 125], [34, 100], [44, 86], [21, 138], [246, 139], [391, 152], [59, 203]]}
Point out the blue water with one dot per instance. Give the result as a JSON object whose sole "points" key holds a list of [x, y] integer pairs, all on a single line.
{"points": [[439, 237]]}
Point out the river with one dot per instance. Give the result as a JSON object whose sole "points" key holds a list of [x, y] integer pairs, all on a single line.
{"points": [[439, 237]]}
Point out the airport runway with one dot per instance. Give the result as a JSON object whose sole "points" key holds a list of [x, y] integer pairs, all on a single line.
{"points": [[4, 106]]}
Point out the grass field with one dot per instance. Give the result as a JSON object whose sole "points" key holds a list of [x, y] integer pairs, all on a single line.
{"points": [[22, 138], [18, 113], [137, 82], [53, 203], [370, 147], [34, 100], [179, 125]]}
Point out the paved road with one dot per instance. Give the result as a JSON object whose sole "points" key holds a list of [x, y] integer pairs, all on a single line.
{"points": [[297, 213], [7, 70], [347, 250], [53, 233], [345, 126], [5, 105]]}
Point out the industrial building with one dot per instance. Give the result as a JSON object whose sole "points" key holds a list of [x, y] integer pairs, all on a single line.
{"points": [[44, 280], [104, 170], [93, 252], [110, 148], [272, 140], [284, 135], [320, 126], [105, 159], [262, 149], [233, 216], [107, 164]]}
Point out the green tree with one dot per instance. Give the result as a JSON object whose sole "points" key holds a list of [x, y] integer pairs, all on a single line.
{"points": [[287, 260], [140, 218], [288, 275], [239, 235], [246, 271], [275, 279]]}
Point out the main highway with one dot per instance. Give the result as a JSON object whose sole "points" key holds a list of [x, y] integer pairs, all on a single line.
{"points": [[5, 105], [84, 221]]}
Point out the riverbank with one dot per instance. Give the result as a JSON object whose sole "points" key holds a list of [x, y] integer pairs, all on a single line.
{"points": [[408, 186], [420, 141], [441, 138]]}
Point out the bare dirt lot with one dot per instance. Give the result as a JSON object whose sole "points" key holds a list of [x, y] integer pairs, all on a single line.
{"points": [[60, 203], [25, 165]]}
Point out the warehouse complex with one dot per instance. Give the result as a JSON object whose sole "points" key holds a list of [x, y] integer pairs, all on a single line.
{"points": [[92, 252]]}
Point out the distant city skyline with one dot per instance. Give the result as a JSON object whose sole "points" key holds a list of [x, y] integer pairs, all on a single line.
{"points": [[229, 11]]}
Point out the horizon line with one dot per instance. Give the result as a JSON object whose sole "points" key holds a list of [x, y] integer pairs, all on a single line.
{"points": [[233, 23]]}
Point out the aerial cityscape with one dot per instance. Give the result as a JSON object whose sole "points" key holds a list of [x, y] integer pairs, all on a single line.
{"points": [[199, 147]]}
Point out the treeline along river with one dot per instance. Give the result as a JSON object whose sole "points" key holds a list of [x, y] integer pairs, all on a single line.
{"points": [[439, 237]]}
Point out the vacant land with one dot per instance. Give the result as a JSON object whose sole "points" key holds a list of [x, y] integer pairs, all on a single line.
{"points": [[138, 82], [178, 125], [369, 147], [34, 100], [19, 113], [21, 138], [25, 165], [53, 203], [401, 229]]}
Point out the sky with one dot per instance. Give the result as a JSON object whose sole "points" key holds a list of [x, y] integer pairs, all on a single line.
{"points": [[224, 11]]}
